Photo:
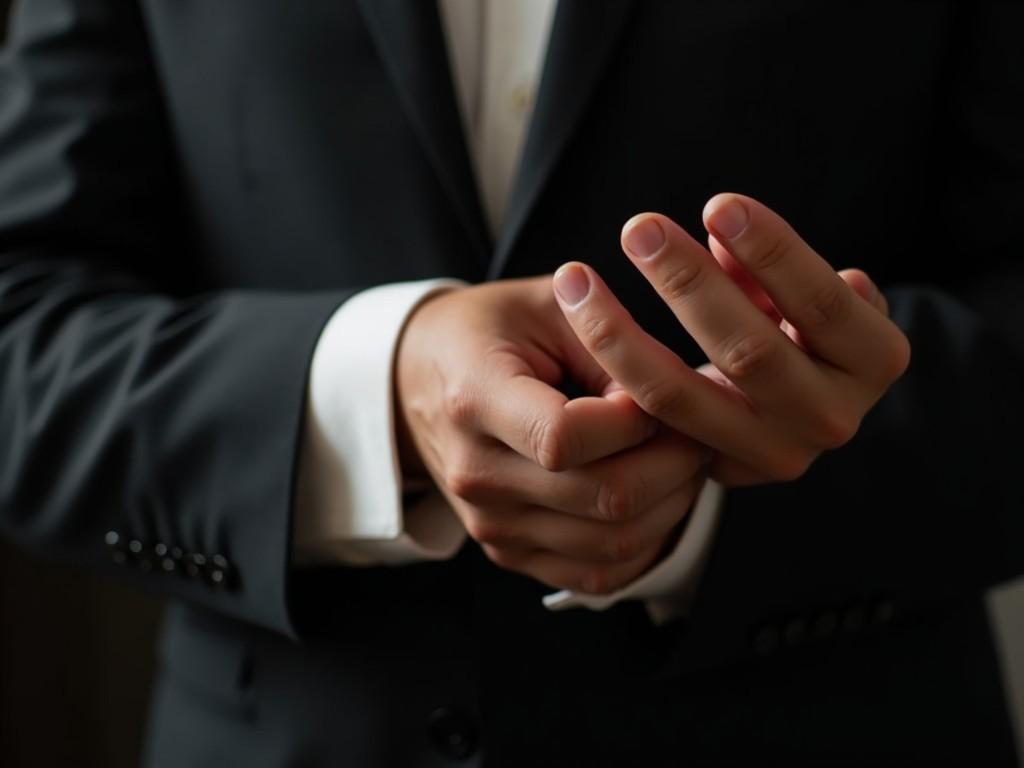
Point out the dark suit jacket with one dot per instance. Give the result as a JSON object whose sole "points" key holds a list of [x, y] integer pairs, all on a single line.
{"points": [[189, 189]]}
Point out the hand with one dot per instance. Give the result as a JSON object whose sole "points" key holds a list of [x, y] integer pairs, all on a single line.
{"points": [[579, 494], [798, 353]]}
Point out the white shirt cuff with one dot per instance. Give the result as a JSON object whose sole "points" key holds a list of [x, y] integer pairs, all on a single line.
{"points": [[669, 586], [348, 505]]}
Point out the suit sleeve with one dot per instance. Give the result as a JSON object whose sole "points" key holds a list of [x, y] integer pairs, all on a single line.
{"points": [[146, 427], [925, 507]]}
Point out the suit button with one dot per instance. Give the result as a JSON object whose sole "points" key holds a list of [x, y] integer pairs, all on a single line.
{"points": [[218, 571], [137, 552], [765, 640], [452, 733], [113, 541]]}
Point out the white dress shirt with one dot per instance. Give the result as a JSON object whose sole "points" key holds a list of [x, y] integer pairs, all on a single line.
{"points": [[349, 507]]}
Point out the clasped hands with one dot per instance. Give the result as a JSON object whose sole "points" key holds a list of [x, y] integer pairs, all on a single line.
{"points": [[586, 493]]}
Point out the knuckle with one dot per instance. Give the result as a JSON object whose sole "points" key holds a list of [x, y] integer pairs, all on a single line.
{"points": [[599, 334], [616, 500], [768, 256], [463, 483], [787, 468], [682, 280], [897, 361], [829, 307], [836, 429], [662, 399], [481, 528], [459, 405], [748, 356]]}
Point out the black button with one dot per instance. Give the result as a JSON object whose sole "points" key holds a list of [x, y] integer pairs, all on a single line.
{"points": [[160, 549], [135, 546], [765, 640], [452, 733], [168, 564], [195, 565]]}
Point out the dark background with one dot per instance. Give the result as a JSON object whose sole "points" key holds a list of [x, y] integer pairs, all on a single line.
{"points": [[77, 658]]}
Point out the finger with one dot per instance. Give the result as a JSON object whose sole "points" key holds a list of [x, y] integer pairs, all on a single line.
{"points": [[803, 286], [539, 422], [562, 572], [580, 538], [745, 345], [865, 287], [660, 383], [750, 287], [613, 489]]}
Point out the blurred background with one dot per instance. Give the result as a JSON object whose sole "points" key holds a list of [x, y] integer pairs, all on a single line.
{"points": [[77, 658]]}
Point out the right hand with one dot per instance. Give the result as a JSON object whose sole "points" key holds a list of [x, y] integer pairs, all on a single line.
{"points": [[579, 494]]}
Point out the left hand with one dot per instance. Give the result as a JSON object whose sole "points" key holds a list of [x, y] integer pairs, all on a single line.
{"points": [[798, 353]]}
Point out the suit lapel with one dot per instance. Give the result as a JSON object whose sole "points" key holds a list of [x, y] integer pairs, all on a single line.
{"points": [[583, 35], [411, 43]]}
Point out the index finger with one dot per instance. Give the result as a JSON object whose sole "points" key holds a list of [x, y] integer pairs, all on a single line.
{"points": [[833, 321], [537, 421]]}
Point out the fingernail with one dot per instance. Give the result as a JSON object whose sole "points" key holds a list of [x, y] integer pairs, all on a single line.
{"points": [[729, 219], [644, 238], [572, 284]]}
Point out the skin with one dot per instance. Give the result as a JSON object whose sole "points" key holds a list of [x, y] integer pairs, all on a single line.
{"points": [[797, 353], [579, 494], [586, 494]]}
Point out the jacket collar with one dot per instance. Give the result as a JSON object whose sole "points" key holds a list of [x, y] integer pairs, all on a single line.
{"points": [[411, 43]]}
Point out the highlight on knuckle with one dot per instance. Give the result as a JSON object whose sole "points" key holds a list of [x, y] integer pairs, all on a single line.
{"points": [[614, 504], [748, 356], [682, 280], [464, 481], [459, 405]]}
